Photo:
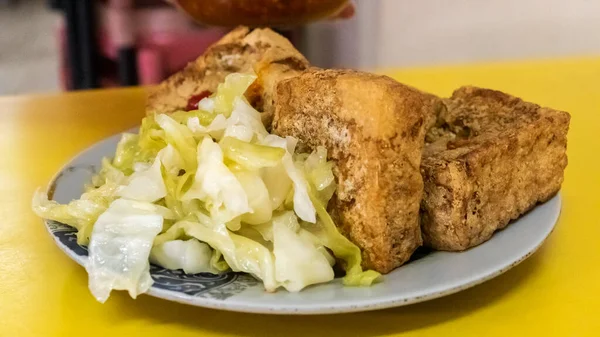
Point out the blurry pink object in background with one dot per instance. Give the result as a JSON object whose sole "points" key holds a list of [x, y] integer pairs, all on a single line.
{"points": [[165, 40]]}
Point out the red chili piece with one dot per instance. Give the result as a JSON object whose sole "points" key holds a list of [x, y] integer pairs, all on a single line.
{"points": [[193, 101]]}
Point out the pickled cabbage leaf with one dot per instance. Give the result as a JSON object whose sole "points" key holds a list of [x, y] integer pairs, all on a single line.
{"points": [[145, 185], [181, 138], [302, 203], [234, 87], [298, 262], [191, 256], [215, 185], [120, 247], [244, 123], [80, 213], [318, 172], [171, 160], [240, 253], [209, 190], [258, 198], [251, 156], [326, 231]]}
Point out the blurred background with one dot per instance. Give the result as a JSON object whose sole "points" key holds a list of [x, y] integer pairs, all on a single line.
{"points": [[48, 46]]}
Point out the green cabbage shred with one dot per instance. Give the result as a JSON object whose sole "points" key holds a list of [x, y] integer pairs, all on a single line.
{"points": [[196, 203]]}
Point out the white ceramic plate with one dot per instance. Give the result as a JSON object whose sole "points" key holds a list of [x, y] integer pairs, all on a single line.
{"points": [[427, 276]]}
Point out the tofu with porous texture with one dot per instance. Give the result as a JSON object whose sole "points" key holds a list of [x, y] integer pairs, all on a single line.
{"points": [[410, 166], [262, 51], [373, 129], [489, 158]]}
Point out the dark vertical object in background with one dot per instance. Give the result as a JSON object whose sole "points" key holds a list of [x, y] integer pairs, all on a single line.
{"points": [[87, 42], [55, 4], [81, 42], [70, 10], [128, 74], [122, 33]]}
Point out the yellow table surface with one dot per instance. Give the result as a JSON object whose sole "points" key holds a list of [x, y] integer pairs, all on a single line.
{"points": [[556, 292]]}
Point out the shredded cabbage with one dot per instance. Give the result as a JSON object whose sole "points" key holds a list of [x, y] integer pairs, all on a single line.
{"points": [[240, 253], [120, 247], [215, 185], [302, 204], [298, 261], [258, 198], [145, 185], [244, 123], [234, 87], [203, 116], [278, 184], [181, 138], [81, 213], [328, 234], [192, 256], [209, 190], [251, 156]]}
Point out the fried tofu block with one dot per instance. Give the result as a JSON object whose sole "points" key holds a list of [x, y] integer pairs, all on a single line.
{"points": [[373, 129], [490, 158], [262, 51]]}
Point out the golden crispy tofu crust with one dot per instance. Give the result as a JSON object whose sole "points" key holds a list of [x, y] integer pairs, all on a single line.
{"points": [[373, 129], [410, 167], [271, 56], [490, 158]]}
